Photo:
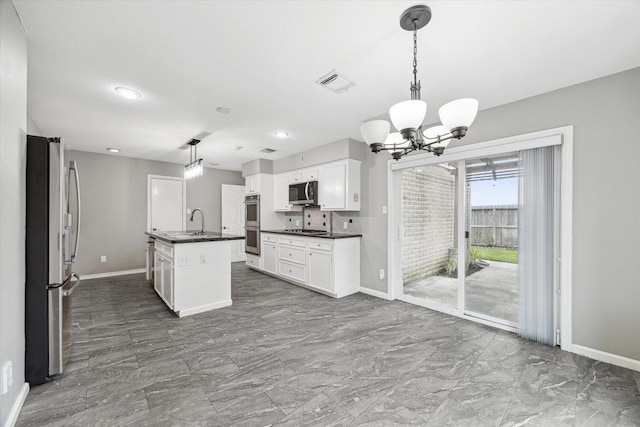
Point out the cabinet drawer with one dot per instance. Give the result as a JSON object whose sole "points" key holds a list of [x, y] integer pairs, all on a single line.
{"points": [[269, 238], [322, 245], [292, 254], [292, 271], [253, 261], [164, 248], [292, 241]]}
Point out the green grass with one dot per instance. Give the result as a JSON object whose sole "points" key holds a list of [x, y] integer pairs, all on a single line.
{"points": [[498, 254]]}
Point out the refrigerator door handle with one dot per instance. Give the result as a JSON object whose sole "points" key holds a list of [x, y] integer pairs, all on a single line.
{"points": [[73, 166], [67, 292]]}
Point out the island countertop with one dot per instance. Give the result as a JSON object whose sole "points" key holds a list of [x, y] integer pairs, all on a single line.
{"points": [[191, 236], [315, 234]]}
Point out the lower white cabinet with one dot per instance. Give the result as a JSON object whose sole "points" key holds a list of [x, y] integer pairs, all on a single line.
{"points": [[320, 266], [270, 255], [329, 266], [193, 277]]}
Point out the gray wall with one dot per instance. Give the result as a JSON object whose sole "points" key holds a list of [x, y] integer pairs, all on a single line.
{"points": [[606, 201], [114, 207], [13, 125]]}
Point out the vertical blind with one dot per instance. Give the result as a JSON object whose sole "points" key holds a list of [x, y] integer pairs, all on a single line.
{"points": [[536, 245]]}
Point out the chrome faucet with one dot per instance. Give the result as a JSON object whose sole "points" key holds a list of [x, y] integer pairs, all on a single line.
{"points": [[201, 216]]}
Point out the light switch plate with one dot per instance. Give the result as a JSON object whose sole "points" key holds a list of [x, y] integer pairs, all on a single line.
{"points": [[346, 224]]}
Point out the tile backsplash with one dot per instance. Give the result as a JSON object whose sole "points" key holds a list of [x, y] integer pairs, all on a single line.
{"points": [[312, 218]]}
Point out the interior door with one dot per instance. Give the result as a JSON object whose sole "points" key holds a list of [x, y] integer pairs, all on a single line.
{"points": [[233, 218], [166, 203]]}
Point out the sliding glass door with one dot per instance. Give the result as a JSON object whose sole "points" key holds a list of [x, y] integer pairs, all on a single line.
{"points": [[491, 259], [479, 235]]}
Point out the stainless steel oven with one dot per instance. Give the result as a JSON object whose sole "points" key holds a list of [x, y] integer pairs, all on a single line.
{"points": [[252, 211], [252, 240], [252, 224]]}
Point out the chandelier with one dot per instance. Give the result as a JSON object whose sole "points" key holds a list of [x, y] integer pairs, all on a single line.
{"points": [[407, 116], [195, 168]]}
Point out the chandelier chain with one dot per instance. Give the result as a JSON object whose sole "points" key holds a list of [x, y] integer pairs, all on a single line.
{"points": [[415, 54]]}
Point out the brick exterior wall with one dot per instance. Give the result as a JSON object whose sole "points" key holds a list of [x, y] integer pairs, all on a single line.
{"points": [[428, 215]]}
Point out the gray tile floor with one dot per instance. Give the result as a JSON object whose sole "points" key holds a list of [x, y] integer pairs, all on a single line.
{"points": [[283, 355]]}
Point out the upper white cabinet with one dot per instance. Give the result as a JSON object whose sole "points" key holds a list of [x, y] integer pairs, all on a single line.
{"points": [[310, 175], [281, 193], [252, 183], [295, 177], [340, 186]]}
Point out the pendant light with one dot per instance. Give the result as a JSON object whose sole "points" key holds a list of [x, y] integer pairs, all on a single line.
{"points": [[195, 167], [407, 116]]}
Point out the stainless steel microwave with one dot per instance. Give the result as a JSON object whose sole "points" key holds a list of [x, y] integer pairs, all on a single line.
{"points": [[305, 193]]}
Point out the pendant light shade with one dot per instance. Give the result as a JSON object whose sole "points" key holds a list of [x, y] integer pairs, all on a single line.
{"points": [[375, 131], [458, 113], [438, 131], [408, 114], [396, 142]]}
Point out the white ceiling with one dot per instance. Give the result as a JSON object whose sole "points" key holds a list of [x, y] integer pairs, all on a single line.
{"points": [[261, 59]]}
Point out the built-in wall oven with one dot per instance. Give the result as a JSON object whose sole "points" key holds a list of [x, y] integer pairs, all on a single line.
{"points": [[252, 224]]}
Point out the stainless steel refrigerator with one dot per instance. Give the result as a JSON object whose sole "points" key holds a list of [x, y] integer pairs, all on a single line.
{"points": [[53, 232]]}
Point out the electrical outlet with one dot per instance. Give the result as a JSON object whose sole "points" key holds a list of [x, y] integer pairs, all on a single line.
{"points": [[188, 211], [103, 258], [384, 210], [381, 274], [346, 224], [7, 376], [203, 259], [297, 223]]}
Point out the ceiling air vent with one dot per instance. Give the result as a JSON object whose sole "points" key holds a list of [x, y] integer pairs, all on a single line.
{"points": [[335, 82], [268, 150]]}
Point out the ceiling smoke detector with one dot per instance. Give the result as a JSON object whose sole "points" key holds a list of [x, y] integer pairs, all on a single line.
{"points": [[335, 82], [268, 150]]}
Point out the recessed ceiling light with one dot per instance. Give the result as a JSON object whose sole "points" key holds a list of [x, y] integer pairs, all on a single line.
{"points": [[281, 134], [128, 93], [113, 150]]}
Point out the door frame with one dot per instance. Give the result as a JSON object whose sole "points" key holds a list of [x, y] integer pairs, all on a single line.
{"points": [[562, 136], [184, 198], [238, 243]]}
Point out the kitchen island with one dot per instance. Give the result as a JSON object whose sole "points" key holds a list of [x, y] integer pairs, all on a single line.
{"points": [[191, 272]]}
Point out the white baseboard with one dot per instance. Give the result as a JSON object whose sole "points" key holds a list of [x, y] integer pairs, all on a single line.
{"points": [[112, 274], [17, 405], [603, 356], [203, 308], [375, 293]]}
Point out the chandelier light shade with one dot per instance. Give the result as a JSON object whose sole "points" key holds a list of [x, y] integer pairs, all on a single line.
{"points": [[375, 131], [459, 113], [407, 116], [195, 168]]}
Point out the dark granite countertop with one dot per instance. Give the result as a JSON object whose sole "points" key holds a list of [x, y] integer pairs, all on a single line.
{"points": [[316, 234], [191, 237]]}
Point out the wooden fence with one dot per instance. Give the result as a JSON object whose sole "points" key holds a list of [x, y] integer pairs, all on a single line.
{"points": [[494, 226]]}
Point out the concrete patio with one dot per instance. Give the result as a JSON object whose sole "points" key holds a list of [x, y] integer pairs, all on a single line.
{"points": [[492, 291]]}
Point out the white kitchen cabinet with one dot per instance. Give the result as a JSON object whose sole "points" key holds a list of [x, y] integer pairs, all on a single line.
{"points": [[310, 175], [329, 266], [340, 186], [320, 264], [253, 183], [281, 193], [166, 266], [270, 256], [295, 177]]}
